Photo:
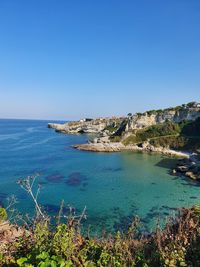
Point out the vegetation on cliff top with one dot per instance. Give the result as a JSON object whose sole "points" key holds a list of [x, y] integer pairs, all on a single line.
{"points": [[177, 108], [183, 135]]}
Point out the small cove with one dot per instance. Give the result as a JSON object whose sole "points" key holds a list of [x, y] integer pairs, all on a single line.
{"points": [[112, 186]]}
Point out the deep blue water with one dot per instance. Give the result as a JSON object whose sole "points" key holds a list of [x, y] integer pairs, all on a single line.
{"points": [[113, 186]]}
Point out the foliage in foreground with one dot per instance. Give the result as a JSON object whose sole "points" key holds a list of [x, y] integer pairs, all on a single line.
{"points": [[40, 245]]}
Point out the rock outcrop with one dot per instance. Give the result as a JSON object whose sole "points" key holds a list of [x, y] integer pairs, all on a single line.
{"points": [[110, 132], [118, 146], [190, 111], [189, 167], [88, 125]]}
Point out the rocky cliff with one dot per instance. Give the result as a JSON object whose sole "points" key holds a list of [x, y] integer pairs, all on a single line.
{"points": [[167, 131], [107, 125], [122, 125], [190, 111]]}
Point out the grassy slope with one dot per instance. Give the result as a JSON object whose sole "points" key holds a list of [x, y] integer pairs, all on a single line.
{"points": [[184, 135]]}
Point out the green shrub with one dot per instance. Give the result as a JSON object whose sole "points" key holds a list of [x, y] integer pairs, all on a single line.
{"points": [[3, 214], [132, 139], [176, 245], [183, 135], [174, 142], [164, 129], [111, 128], [190, 128], [115, 139]]}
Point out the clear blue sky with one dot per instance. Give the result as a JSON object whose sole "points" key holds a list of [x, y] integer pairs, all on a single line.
{"points": [[66, 59]]}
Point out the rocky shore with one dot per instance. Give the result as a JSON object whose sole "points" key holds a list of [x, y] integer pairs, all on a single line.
{"points": [[118, 146], [159, 131], [87, 125], [131, 122], [189, 167]]}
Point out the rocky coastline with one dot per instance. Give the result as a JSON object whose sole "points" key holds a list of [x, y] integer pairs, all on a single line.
{"points": [[118, 147], [87, 125], [154, 131], [188, 167]]}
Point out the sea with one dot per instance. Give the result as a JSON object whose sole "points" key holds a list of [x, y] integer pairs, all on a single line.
{"points": [[112, 187]]}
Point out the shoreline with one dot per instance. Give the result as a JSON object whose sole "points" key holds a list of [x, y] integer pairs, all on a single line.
{"points": [[119, 147], [188, 165]]}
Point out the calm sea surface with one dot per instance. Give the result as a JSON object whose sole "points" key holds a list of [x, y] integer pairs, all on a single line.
{"points": [[113, 186]]}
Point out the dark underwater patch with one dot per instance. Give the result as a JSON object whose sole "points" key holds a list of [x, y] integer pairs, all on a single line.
{"points": [[169, 208], [145, 220], [42, 183], [123, 223], [98, 223], [55, 178], [190, 183], [110, 169], [54, 209], [166, 213], [193, 197], [3, 197], [76, 179], [22, 196], [153, 214], [166, 163], [175, 178], [84, 184], [82, 189], [51, 208], [116, 213], [154, 208]]}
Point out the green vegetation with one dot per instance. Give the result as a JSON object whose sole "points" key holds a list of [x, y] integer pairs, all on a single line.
{"points": [[151, 112], [183, 135], [132, 139], [190, 128], [41, 245], [139, 114], [190, 104], [164, 129], [3, 214], [167, 128], [38, 242], [177, 108], [112, 128], [115, 138], [177, 142]]}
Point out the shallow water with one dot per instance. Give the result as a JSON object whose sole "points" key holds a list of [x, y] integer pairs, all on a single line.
{"points": [[113, 186]]}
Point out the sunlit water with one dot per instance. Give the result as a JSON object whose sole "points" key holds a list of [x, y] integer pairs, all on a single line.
{"points": [[112, 186]]}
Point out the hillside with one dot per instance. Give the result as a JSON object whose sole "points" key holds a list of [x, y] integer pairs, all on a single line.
{"points": [[171, 128], [184, 135]]}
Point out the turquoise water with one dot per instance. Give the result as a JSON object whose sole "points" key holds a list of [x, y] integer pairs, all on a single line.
{"points": [[112, 186]]}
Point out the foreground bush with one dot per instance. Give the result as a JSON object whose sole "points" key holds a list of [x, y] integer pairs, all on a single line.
{"points": [[40, 245], [38, 242]]}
